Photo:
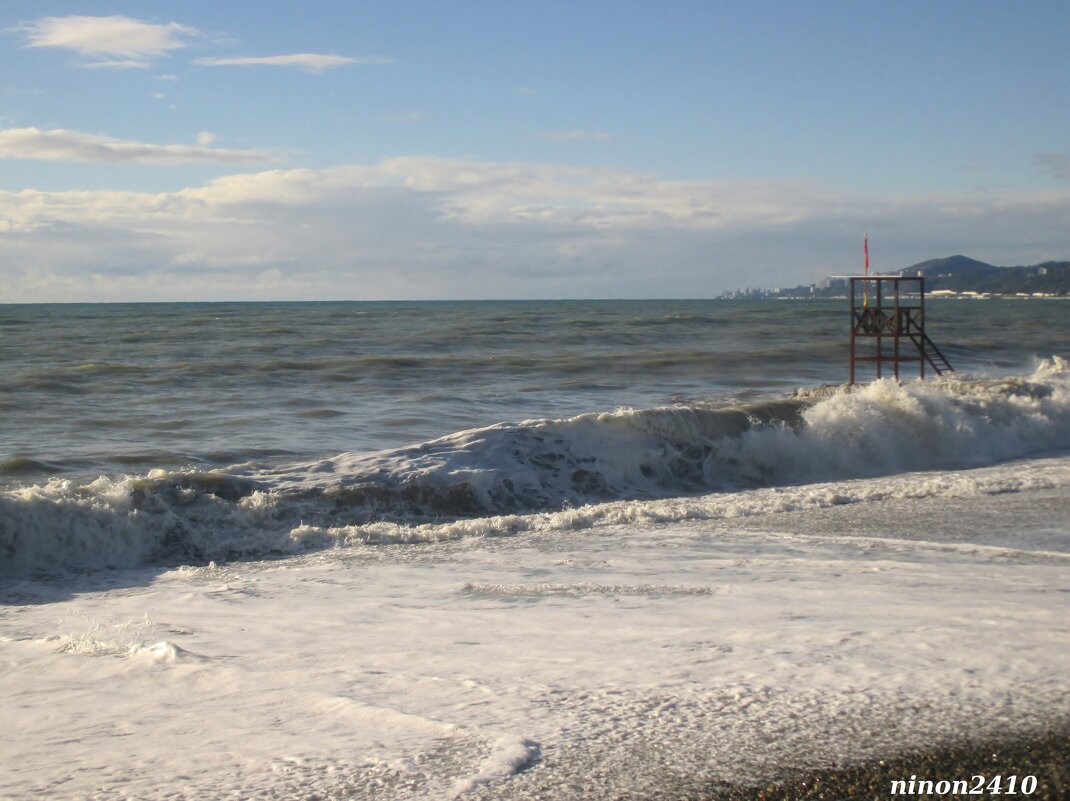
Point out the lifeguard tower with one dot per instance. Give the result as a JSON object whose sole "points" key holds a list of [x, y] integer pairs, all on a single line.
{"points": [[888, 325]]}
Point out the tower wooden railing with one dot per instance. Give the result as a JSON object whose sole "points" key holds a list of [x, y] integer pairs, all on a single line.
{"points": [[885, 311]]}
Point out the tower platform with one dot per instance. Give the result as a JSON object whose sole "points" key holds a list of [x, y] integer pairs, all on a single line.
{"points": [[888, 326]]}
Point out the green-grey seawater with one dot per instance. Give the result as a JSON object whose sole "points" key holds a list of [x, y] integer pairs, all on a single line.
{"points": [[87, 389]]}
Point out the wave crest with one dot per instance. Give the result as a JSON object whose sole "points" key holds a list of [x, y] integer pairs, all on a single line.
{"points": [[485, 480]]}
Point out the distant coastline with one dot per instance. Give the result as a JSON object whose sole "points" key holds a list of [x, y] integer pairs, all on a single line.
{"points": [[950, 277]]}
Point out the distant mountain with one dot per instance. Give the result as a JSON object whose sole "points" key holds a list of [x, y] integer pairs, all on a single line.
{"points": [[959, 266], [963, 274]]}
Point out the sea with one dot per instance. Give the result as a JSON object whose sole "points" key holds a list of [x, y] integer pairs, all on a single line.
{"points": [[519, 549]]}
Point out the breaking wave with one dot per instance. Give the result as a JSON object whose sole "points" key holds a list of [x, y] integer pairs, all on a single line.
{"points": [[680, 462]]}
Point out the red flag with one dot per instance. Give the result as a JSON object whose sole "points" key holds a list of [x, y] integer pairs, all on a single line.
{"points": [[865, 247]]}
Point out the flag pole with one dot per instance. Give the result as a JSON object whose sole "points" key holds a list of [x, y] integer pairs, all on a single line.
{"points": [[865, 291]]}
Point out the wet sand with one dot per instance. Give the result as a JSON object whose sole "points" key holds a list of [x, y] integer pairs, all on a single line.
{"points": [[1045, 755]]}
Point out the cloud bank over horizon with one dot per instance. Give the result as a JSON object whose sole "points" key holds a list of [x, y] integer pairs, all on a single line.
{"points": [[227, 153], [423, 227]]}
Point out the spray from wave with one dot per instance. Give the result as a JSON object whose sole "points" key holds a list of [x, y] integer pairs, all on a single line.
{"points": [[569, 473]]}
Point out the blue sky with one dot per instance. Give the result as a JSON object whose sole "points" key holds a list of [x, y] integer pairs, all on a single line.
{"points": [[421, 149]]}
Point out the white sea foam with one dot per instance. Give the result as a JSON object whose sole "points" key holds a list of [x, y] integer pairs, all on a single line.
{"points": [[163, 651], [645, 660], [508, 754], [622, 466], [880, 429], [1031, 475]]}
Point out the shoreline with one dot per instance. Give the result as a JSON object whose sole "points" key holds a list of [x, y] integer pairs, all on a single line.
{"points": [[1044, 754]]}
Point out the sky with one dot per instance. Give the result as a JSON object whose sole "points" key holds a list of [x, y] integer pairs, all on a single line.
{"points": [[451, 150]]}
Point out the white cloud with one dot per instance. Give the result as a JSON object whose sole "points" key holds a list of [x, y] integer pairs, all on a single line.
{"points": [[63, 145], [206, 138], [575, 136], [117, 64], [312, 62], [417, 227], [129, 42]]}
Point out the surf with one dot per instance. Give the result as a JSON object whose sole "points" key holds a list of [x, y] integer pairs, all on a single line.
{"points": [[571, 472]]}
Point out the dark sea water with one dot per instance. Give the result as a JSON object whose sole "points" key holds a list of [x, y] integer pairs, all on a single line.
{"points": [[126, 388]]}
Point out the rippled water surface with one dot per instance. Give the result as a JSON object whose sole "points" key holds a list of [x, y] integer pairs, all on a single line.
{"points": [[104, 388]]}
